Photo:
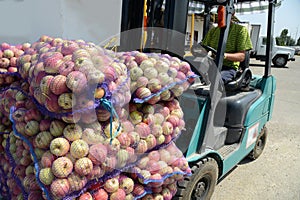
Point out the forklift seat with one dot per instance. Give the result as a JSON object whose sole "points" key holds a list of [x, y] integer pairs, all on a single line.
{"points": [[237, 105]]}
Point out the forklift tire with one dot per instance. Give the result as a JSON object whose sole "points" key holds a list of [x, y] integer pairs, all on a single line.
{"points": [[259, 145], [280, 60], [201, 184]]}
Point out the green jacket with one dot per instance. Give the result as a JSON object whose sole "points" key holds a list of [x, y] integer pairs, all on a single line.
{"points": [[238, 40]]}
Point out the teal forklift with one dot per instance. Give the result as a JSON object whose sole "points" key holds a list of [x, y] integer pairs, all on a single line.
{"points": [[224, 123]]}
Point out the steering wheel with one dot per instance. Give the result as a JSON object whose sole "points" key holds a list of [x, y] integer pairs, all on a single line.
{"points": [[201, 50]]}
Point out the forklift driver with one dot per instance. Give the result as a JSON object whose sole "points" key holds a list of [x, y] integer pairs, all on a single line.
{"points": [[237, 44]]}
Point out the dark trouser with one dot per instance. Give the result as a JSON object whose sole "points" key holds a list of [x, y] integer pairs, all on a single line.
{"points": [[227, 74]]}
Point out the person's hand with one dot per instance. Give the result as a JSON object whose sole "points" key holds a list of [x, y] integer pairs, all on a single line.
{"points": [[225, 56]]}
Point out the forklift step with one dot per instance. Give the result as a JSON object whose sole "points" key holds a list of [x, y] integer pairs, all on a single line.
{"points": [[227, 149]]}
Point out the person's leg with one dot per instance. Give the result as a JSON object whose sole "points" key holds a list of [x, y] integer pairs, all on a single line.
{"points": [[228, 75]]}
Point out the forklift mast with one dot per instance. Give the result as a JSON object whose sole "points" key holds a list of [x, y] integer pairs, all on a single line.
{"points": [[131, 24], [173, 29]]}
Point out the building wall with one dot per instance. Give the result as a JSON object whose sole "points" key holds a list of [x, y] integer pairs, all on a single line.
{"points": [[198, 26], [26, 20], [91, 20]]}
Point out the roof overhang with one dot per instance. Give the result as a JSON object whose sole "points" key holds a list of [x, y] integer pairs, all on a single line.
{"points": [[241, 6]]}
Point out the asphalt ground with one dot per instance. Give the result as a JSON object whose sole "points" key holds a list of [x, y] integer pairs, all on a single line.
{"points": [[275, 175]]}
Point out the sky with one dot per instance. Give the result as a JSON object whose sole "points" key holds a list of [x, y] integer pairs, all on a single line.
{"points": [[287, 16]]}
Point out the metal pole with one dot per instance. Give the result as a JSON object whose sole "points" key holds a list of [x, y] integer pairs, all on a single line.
{"points": [[270, 30], [144, 35], [223, 37], [296, 35], [206, 19], [192, 31]]}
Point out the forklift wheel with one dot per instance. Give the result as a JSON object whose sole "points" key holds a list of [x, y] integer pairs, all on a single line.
{"points": [[259, 145], [201, 184]]}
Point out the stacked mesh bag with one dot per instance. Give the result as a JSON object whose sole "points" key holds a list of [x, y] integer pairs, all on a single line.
{"points": [[81, 122]]}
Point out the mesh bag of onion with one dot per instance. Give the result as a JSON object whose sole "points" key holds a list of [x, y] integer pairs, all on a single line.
{"points": [[154, 175], [68, 157], [156, 77], [82, 116], [66, 75]]}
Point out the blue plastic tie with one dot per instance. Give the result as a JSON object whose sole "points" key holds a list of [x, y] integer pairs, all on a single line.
{"points": [[109, 107]]}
